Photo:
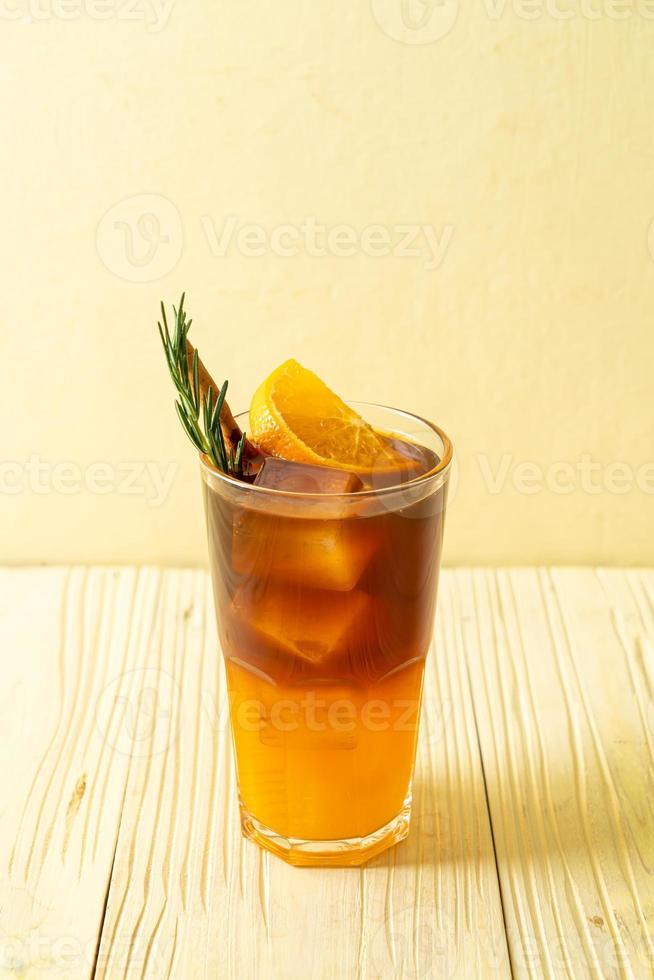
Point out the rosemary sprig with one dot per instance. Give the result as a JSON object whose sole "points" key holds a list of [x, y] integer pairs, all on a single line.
{"points": [[194, 407]]}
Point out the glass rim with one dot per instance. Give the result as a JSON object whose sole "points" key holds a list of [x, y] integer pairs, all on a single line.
{"points": [[439, 470]]}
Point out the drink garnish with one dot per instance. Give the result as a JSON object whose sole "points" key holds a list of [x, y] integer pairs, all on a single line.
{"points": [[295, 415], [201, 406]]}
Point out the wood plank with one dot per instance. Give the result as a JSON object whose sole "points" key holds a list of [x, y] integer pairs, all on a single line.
{"points": [[65, 635], [561, 668], [190, 898]]}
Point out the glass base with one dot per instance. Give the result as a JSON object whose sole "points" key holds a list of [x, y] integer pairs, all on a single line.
{"points": [[346, 853]]}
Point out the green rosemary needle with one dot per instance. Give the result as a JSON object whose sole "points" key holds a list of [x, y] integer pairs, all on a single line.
{"points": [[198, 412]]}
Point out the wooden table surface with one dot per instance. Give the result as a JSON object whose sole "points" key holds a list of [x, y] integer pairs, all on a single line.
{"points": [[532, 844]]}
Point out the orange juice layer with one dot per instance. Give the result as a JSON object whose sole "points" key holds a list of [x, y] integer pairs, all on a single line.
{"points": [[324, 760]]}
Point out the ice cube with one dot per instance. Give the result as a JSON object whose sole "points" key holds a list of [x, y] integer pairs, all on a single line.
{"points": [[303, 623], [316, 553], [285, 474]]}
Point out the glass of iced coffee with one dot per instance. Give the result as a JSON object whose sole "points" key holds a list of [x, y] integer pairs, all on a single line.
{"points": [[325, 588], [325, 527]]}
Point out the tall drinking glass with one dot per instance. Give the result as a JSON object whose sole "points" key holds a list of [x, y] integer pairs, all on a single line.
{"points": [[325, 606]]}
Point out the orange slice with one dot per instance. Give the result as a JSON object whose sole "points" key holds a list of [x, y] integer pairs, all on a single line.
{"points": [[296, 416]]}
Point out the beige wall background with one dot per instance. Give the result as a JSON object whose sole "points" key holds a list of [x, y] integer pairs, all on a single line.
{"points": [[515, 141]]}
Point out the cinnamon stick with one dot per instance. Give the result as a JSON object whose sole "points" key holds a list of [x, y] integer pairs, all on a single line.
{"points": [[231, 430]]}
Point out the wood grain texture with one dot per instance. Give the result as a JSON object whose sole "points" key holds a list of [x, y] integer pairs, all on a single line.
{"points": [[120, 850], [65, 635], [560, 665], [190, 897]]}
